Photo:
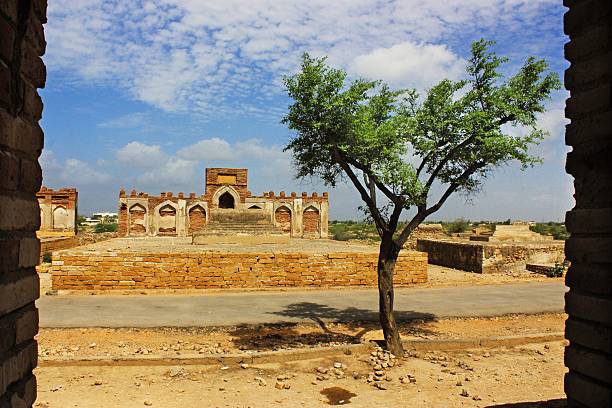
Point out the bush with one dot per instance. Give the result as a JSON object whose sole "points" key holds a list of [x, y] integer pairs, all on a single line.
{"points": [[106, 227], [556, 229], [457, 226], [46, 257], [557, 271]]}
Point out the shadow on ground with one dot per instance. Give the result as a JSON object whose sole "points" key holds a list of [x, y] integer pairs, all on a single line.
{"points": [[557, 403], [336, 326]]}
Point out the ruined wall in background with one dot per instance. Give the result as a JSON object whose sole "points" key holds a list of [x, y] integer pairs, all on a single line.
{"points": [[21, 141], [58, 210], [589, 301]]}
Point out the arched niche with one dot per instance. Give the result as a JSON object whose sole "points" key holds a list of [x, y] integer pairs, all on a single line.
{"points": [[166, 221], [137, 220], [282, 218], [311, 220], [197, 218], [61, 218], [255, 207]]}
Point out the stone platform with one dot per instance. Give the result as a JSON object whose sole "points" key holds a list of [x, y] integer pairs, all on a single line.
{"points": [[491, 257], [174, 263]]}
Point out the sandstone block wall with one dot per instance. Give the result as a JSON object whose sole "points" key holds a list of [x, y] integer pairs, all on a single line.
{"points": [[484, 257], [21, 141], [104, 270], [589, 248]]}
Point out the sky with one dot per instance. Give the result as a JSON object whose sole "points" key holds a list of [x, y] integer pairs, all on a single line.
{"points": [[146, 94]]}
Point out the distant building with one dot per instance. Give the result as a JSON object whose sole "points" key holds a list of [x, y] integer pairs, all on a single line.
{"points": [[226, 196], [58, 210]]}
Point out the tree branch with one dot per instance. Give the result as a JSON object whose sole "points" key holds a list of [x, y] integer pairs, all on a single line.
{"points": [[381, 186], [424, 212], [381, 225]]}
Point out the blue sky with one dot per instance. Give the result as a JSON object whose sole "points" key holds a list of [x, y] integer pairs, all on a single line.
{"points": [[146, 94]]}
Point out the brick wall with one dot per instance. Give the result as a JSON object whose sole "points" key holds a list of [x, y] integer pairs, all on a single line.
{"points": [[283, 219], [104, 270], [589, 300], [312, 220], [484, 257], [197, 219], [21, 140]]}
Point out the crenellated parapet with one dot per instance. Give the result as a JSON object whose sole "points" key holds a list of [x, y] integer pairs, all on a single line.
{"points": [[298, 215]]}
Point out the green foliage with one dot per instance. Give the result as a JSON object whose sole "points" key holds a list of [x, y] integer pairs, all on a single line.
{"points": [[457, 226], [556, 272], [46, 257], [80, 220], [556, 229], [106, 227], [345, 230], [458, 132]]}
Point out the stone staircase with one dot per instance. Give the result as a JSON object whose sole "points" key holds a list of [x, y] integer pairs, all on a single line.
{"points": [[227, 223]]}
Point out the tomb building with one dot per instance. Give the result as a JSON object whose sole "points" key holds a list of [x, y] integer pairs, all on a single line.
{"points": [[58, 211], [226, 205]]}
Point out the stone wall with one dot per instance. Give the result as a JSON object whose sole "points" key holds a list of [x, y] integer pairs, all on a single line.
{"points": [[589, 300], [21, 141], [483, 257], [58, 210], [458, 255], [106, 270]]}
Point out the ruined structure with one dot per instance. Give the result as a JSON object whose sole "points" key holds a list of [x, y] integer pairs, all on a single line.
{"points": [[58, 211], [509, 247], [589, 300], [22, 71], [226, 199]]}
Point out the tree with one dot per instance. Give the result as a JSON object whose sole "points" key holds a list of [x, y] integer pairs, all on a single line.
{"points": [[457, 134]]}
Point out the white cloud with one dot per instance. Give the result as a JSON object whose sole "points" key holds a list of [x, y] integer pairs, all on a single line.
{"points": [[174, 171], [140, 155], [554, 120], [70, 173], [215, 58], [409, 64], [208, 149], [131, 120]]}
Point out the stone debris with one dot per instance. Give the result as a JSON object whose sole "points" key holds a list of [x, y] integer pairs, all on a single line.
{"points": [[148, 403], [244, 366], [261, 381]]}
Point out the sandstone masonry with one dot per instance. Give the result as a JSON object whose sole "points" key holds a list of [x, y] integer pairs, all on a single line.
{"points": [[21, 141], [226, 190], [58, 210], [80, 269], [589, 300]]}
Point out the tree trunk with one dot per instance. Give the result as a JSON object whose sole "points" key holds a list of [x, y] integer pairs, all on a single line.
{"points": [[387, 258]]}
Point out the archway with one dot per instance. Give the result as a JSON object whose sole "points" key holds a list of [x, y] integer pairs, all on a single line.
{"points": [[197, 218], [61, 218], [282, 217], [167, 220], [137, 220], [311, 221], [226, 200]]}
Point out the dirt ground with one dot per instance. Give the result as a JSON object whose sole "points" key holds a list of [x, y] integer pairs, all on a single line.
{"points": [[361, 378], [248, 339], [468, 378]]}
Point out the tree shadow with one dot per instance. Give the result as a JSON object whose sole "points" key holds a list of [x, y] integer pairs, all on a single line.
{"points": [[356, 322], [556, 403]]}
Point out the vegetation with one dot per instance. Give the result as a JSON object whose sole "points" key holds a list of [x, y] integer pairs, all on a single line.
{"points": [[458, 134], [106, 227], [46, 257], [556, 272], [80, 220], [556, 229], [457, 226]]}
